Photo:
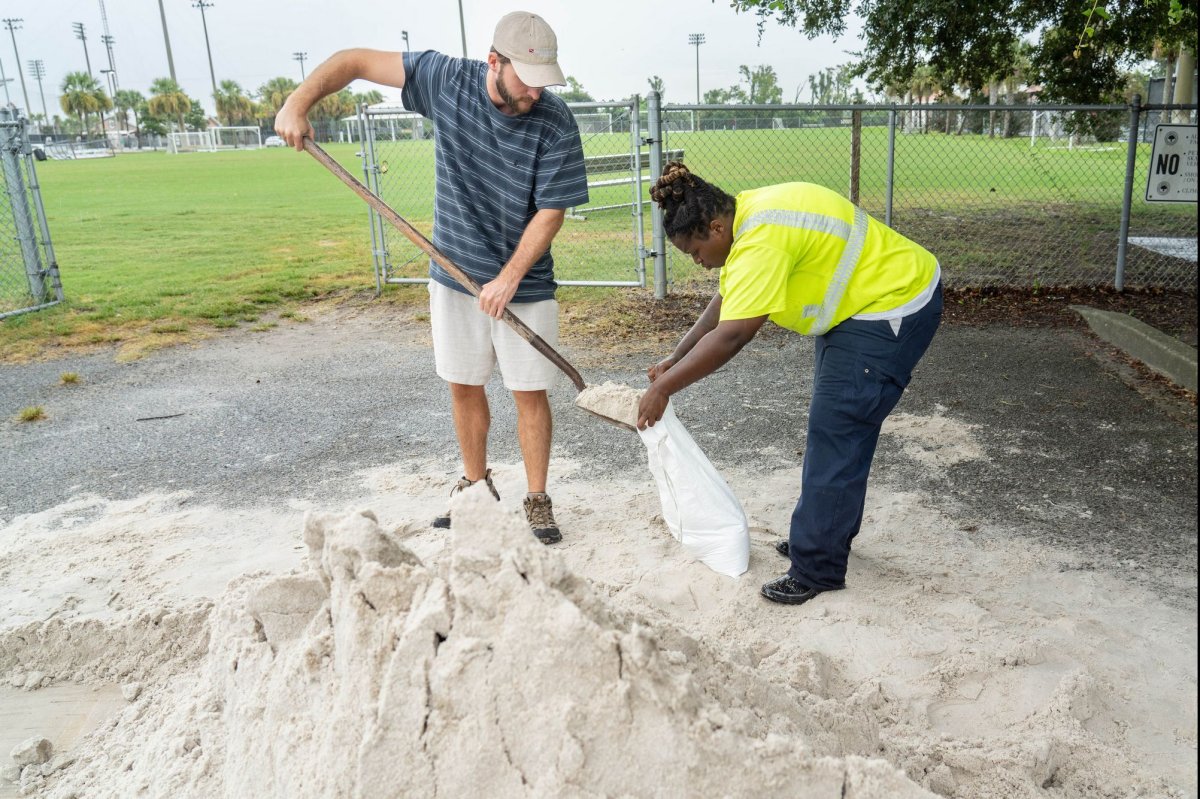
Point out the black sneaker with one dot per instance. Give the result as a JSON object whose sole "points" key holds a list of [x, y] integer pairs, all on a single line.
{"points": [[539, 511], [443, 521], [782, 548], [788, 591]]}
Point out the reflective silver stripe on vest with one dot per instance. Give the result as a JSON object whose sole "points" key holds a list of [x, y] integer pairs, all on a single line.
{"points": [[801, 219], [843, 273], [854, 236]]}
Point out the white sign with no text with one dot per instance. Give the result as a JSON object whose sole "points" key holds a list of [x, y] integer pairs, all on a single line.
{"points": [[1172, 176]]}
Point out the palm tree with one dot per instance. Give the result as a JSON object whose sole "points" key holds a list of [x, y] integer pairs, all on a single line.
{"points": [[81, 95], [233, 106], [923, 84], [1017, 76], [127, 100], [168, 99], [330, 109], [657, 85], [274, 93], [372, 97]]}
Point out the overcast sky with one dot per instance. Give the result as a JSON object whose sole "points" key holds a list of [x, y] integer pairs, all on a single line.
{"points": [[610, 46]]}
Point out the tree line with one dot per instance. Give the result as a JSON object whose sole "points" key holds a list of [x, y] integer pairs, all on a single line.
{"points": [[168, 107]]}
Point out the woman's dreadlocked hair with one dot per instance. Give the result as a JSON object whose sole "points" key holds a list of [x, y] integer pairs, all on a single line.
{"points": [[688, 202]]}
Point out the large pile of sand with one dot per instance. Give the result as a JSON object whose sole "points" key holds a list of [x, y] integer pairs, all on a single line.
{"points": [[500, 673], [364, 661]]}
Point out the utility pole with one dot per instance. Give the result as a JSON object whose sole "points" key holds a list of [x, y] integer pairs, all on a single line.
{"points": [[81, 35], [108, 46], [14, 25], [5, 80], [299, 56], [203, 4], [112, 71], [462, 26], [167, 39], [37, 70]]}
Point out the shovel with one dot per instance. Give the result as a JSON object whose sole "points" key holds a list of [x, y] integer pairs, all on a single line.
{"points": [[465, 280]]}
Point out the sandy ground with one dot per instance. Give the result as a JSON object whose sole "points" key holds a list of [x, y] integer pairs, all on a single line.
{"points": [[966, 655]]}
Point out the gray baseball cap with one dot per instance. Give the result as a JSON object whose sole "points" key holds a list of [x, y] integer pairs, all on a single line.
{"points": [[528, 41]]}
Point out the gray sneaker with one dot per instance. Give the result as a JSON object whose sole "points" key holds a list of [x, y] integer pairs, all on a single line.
{"points": [[539, 511], [443, 521]]}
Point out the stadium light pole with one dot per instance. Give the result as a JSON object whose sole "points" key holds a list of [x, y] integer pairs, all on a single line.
{"points": [[300, 56], [14, 24], [167, 40], [37, 70], [462, 26], [81, 35], [696, 39], [404, 36], [203, 4]]}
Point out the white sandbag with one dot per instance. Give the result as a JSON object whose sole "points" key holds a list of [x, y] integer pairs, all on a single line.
{"points": [[699, 507]]}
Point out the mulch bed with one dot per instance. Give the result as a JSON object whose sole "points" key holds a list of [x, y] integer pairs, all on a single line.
{"points": [[1172, 312], [636, 322]]}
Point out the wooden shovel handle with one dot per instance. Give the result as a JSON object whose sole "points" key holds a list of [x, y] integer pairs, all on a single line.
{"points": [[440, 258]]}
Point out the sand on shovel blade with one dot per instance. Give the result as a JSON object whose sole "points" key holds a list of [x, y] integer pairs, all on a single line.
{"points": [[612, 400]]}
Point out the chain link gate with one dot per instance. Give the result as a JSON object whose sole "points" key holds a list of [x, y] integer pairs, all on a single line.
{"points": [[600, 244], [28, 271]]}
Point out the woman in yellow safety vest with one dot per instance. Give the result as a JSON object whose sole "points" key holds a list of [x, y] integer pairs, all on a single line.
{"points": [[810, 261]]}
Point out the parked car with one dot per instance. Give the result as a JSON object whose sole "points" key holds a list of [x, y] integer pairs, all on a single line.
{"points": [[274, 141]]}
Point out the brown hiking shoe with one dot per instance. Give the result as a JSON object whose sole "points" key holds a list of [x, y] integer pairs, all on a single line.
{"points": [[540, 513], [463, 483]]}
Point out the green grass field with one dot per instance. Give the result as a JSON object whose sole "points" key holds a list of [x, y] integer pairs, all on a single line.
{"points": [[155, 248], [162, 247]]}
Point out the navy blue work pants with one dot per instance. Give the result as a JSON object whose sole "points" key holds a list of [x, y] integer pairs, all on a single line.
{"points": [[862, 368]]}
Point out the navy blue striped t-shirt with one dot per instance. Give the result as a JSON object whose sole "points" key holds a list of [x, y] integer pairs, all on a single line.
{"points": [[494, 171]]}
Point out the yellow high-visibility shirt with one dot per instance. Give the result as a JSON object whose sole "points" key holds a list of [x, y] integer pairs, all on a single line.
{"points": [[808, 258]]}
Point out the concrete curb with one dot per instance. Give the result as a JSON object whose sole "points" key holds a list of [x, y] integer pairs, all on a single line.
{"points": [[1165, 355]]}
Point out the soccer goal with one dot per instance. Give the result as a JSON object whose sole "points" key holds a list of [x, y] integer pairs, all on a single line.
{"points": [[594, 123], [190, 141], [236, 137], [680, 121], [218, 138]]}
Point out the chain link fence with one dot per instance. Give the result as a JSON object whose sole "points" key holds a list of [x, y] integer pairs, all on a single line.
{"points": [[1009, 196], [28, 272], [1017, 196]]}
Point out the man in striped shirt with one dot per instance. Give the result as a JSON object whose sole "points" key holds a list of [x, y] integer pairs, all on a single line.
{"points": [[508, 162]]}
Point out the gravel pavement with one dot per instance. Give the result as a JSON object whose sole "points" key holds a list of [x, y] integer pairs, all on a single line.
{"points": [[1080, 451]]}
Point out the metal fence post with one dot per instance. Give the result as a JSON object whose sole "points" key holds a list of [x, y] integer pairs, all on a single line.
{"points": [[654, 121], [855, 153], [639, 219], [1135, 109], [367, 164], [35, 193], [13, 136], [891, 165]]}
